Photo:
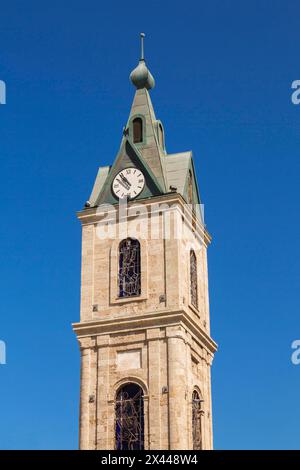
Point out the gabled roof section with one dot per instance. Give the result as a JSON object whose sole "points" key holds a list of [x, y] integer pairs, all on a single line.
{"points": [[128, 156], [179, 171], [99, 183], [181, 175], [177, 167]]}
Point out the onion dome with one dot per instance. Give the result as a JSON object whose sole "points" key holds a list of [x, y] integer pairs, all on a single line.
{"points": [[141, 76]]}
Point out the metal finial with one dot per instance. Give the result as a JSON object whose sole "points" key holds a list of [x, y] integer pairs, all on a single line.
{"points": [[142, 45]]}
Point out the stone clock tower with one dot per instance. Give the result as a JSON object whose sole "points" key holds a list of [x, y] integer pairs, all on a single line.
{"points": [[144, 332]]}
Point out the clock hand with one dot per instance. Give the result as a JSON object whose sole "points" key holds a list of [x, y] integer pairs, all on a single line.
{"points": [[125, 179], [124, 184]]}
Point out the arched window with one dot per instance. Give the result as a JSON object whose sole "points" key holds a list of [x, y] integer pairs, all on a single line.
{"points": [[193, 279], [129, 268], [137, 126], [196, 420], [160, 135], [130, 418], [190, 188]]}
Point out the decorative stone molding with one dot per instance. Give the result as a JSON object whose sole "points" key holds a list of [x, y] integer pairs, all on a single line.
{"points": [[91, 216], [125, 380]]}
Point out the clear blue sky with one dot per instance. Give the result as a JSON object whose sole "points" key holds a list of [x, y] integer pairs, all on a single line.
{"points": [[223, 83]]}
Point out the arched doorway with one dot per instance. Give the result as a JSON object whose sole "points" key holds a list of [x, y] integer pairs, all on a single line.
{"points": [[129, 418]]}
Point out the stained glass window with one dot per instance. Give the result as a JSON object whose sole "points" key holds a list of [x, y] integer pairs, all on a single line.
{"points": [[129, 268], [130, 418], [193, 279]]}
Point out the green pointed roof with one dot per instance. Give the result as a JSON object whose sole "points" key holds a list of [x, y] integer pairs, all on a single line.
{"points": [[150, 148], [163, 173]]}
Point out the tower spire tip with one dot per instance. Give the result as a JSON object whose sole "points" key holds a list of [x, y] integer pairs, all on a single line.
{"points": [[141, 76], [142, 45]]}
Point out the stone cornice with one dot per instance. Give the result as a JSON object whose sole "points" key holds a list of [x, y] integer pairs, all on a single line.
{"points": [[151, 320], [91, 216]]}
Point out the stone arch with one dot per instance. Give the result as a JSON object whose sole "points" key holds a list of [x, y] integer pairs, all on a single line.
{"points": [[131, 379]]}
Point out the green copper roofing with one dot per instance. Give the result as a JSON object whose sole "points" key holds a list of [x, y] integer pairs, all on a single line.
{"points": [[150, 148], [163, 173]]}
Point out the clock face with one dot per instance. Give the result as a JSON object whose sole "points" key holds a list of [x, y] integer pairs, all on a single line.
{"points": [[128, 183]]}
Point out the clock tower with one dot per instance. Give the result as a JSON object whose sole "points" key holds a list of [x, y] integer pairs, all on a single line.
{"points": [[144, 330]]}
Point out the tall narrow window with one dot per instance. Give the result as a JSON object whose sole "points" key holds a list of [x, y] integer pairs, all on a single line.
{"points": [[190, 188], [130, 418], [137, 126], [196, 421], [193, 279], [160, 135], [129, 268]]}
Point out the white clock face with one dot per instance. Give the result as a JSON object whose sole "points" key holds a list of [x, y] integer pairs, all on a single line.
{"points": [[128, 183]]}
